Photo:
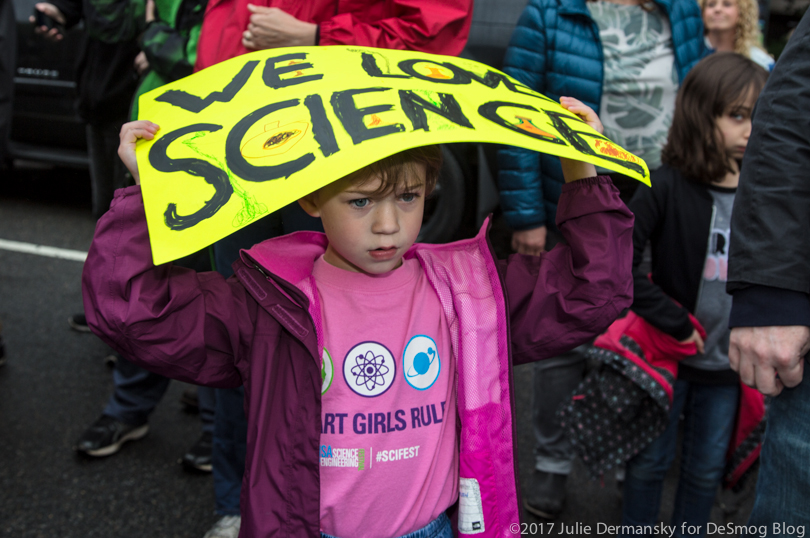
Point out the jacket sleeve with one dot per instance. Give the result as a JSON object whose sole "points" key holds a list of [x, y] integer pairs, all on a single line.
{"points": [[567, 296], [171, 320], [170, 53], [435, 27], [649, 300], [114, 21], [520, 176], [770, 224]]}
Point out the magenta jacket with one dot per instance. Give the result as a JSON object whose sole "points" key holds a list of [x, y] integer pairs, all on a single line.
{"points": [[259, 330]]}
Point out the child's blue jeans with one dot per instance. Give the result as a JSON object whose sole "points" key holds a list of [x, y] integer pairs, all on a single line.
{"points": [[438, 528], [709, 412]]}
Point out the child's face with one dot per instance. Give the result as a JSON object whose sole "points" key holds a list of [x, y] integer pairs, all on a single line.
{"points": [[368, 232], [735, 126]]}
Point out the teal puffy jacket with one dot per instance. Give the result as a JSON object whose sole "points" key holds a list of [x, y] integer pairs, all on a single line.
{"points": [[555, 49]]}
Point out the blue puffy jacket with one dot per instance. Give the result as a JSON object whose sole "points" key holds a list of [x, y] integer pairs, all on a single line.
{"points": [[555, 49]]}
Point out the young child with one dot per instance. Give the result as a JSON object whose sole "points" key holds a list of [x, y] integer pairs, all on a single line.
{"points": [[377, 372], [686, 217]]}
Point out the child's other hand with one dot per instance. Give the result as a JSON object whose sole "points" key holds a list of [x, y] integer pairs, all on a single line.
{"points": [[582, 110], [130, 133], [571, 168], [696, 339]]}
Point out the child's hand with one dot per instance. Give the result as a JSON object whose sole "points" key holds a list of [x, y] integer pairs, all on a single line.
{"points": [[582, 110], [130, 133], [696, 339], [571, 168]]}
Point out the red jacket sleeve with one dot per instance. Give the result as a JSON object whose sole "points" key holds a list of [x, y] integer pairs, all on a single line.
{"points": [[435, 27], [571, 294], [423, 25]]}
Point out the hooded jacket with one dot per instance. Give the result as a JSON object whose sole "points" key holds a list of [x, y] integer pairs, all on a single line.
{"points": [[259, 330]]}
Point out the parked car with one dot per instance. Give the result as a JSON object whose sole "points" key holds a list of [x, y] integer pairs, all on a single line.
{"points": [[45, 126]]}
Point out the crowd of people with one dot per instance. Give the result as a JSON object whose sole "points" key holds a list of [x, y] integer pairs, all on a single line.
{"points": [[681, 305]]}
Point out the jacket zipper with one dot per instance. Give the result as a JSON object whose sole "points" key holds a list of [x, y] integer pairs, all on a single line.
{"points": [[518, 496]]}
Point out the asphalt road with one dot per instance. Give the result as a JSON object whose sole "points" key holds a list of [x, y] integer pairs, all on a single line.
{"points": [[55, 384]]}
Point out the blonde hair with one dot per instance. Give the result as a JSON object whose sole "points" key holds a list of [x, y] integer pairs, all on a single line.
{"points": [[747, 34]]}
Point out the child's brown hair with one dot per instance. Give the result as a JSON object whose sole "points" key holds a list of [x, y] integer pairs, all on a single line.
{"points": [[392, 169], [718, 83]]}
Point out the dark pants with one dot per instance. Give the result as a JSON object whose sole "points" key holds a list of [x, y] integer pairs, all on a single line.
{"points": [[107, 172], [709, 413]]}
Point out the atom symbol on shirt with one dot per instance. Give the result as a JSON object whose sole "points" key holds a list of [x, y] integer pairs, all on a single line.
{"points": [[369, 371]]}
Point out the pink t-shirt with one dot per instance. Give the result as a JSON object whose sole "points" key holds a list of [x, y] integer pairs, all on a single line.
{"points": [[389, 453]]}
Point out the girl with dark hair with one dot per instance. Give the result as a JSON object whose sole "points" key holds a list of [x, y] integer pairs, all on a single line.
{"points": [[685, 216]]}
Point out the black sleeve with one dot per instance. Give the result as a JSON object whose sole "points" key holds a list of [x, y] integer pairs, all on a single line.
{"points": [[649, 300], [770, 224], [761, 306]]}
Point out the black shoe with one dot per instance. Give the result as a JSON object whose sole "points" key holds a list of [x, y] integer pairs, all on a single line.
{"points": [[546, 494], [190, 400], [198, 457], [110, 360], [78, 322], [106, 435]]}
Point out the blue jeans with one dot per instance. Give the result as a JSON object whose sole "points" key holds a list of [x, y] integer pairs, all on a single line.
{"points": [[438, 528], [784, 472], [229, 449], [710, 411], [137, 393]]}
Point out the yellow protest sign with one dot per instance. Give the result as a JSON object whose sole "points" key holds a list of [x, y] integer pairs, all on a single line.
{"points": [[250, 135]]}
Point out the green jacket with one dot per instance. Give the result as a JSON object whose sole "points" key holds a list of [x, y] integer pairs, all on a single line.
{"points": [[170, 44]]}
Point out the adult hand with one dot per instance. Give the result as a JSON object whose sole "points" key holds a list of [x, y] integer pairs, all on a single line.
{"points": [[141, 63], [532, 242], [52, 34], [271, 27], [769, 358], [697, 339]]}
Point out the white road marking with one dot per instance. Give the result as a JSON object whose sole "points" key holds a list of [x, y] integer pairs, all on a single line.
{"points": [[42, 250]]}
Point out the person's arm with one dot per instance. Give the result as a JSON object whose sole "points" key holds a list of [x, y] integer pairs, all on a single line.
{"points": [[770, 229], [520, 176], [440, 28], [649, 300], [160, 317], [582, 286], [170, 51], [572, 293], [435, 27], [114, 21]]}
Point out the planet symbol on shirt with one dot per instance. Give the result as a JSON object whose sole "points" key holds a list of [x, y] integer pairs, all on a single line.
{"points": [[421, 363]]}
